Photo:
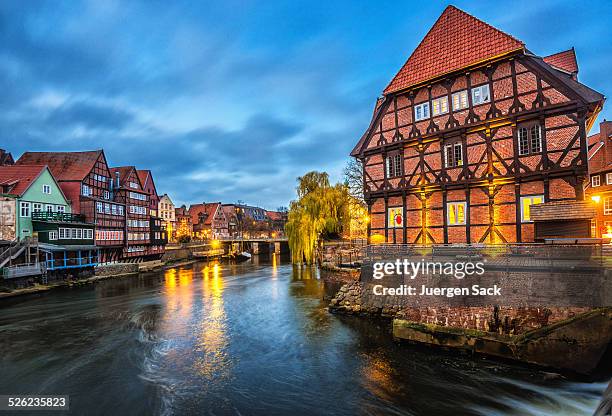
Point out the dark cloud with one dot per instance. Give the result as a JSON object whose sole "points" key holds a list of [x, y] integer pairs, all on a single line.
{"points": [[228, 100]]}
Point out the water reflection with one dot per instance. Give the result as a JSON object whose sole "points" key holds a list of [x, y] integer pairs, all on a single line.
{"points": [[212, 343]]}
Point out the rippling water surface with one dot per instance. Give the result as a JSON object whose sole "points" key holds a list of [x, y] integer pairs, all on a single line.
{"points": [[249, 339]]}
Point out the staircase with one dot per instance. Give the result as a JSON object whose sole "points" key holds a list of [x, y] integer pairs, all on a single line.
{"points": [[12, 252]]}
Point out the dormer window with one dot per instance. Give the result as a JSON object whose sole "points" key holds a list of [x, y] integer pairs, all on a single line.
{"points": [[421, 111], [480, 95], [529, 139], [394, 165], [460, 100], [439, 106]]}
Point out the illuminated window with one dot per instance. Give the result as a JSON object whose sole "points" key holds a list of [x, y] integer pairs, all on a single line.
{"points": [[595, 181], [526, 203], [460, 100], [395, 217], [607, 204], [439, 106], [481, 95], [453, 155], [456, 213], [593, 227], [394, 165], [421, 111]]}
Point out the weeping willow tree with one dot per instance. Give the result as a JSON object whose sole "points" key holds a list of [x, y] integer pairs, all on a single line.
{"points": [[321, 209]]}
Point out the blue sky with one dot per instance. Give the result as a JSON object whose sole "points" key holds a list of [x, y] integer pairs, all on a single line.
{"points": [[233, 100]]}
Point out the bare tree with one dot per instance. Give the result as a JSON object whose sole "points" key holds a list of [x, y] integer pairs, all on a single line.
{"points": [[353, 178]]}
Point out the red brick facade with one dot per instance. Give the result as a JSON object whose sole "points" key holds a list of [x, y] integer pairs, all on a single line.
{"points": [[467, 171]]}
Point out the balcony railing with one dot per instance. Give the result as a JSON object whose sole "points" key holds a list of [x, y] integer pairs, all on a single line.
{"points": [[57, 216]]}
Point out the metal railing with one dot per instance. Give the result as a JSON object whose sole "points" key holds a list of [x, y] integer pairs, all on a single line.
{"points": [[57, 216]]}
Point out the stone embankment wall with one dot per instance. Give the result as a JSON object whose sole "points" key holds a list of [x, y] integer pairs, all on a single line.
{"points": [[116, 269], [172, 255], [352, 299]]}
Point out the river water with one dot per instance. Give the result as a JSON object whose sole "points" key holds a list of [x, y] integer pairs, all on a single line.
{"points": [[248, 339]]}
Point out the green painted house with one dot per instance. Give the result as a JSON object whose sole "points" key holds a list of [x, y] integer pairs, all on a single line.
{"points": [[33, 205], [26, 190]]}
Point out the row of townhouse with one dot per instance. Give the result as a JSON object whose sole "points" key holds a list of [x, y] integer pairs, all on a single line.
{"points": [[79, 210], [217, 220], [479, 140]]}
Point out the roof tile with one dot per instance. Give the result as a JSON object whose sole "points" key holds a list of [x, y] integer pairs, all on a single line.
{"points": [[455, 41]]}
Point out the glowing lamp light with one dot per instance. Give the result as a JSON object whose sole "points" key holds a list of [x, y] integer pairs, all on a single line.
{"points": [[596, 198], [377, 239], [215, 244]]}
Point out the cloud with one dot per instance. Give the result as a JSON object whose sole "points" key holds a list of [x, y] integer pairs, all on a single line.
{"points": [[224, 100]]}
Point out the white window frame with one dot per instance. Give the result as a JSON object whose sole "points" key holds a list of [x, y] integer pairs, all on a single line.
{"points": [[52, 235], [85, 190], [531, 197], [595, 181], [607, 205], [24, 209], [62, 233], [49, 208], [37, 207], [609, 178], [449, 207], [60, 208], [46, 189], [439, 106], [456, 162], [460, 100], [106, 195], [73, 233], [421, 111], [480, 93]]}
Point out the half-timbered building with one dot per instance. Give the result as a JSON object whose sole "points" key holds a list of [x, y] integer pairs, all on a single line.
{"points": [[86, 180], [472, 131], [158, 233], [129, 191]]}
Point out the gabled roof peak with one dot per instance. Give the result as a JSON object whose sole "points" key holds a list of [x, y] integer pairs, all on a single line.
{"points": [[456, 40]]}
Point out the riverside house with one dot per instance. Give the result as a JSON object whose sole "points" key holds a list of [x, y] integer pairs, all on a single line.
{"points": [[129, 191], [86, 180], [473, 131], [599, 186], [158, 233], [34, 208], [168, 216], [209, 221]]}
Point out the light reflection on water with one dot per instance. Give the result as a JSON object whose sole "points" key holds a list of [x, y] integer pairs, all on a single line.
{"points": [[248, 339]]}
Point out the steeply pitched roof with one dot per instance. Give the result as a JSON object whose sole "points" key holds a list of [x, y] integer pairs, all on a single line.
{"points": [[455, 41], [143, 175], [16, 179], [146, 179], [124, 174], [65, 166], [208, 209], [565, 61], [597, 148]]}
